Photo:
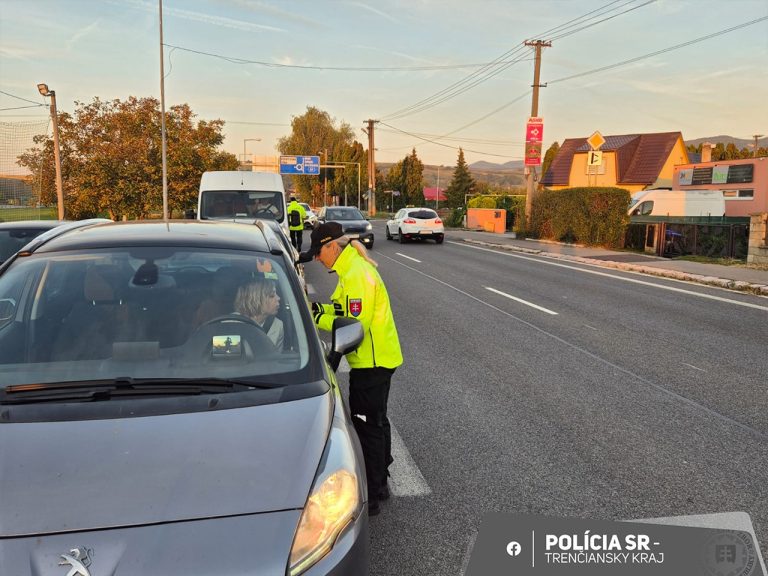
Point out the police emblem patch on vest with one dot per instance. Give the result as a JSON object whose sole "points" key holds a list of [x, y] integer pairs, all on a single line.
{"points": [[356, 306]]}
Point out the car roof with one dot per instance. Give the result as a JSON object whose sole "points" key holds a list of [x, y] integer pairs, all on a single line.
{"points": [[27, 224], [193, 233]]}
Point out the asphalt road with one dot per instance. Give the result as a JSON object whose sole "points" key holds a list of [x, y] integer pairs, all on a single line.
{"points": [[536, 386]]}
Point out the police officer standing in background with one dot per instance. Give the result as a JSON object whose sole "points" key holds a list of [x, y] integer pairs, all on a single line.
{"points": [[361, 294], [296, 216]]}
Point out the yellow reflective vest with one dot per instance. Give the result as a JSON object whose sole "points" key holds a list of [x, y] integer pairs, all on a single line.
{"points": [[361, 294], [296, 207]]}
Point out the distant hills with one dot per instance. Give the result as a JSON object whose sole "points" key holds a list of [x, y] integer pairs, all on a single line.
{"points": [[738, 142]]}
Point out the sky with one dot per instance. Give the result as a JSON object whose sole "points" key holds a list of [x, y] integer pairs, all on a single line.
{"points": [[256, 64]]}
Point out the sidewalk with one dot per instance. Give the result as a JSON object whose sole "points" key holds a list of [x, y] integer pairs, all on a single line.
{"points": [[731, 277]]}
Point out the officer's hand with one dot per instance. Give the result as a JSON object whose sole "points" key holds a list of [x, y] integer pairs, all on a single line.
{"points": [[317, 308]]}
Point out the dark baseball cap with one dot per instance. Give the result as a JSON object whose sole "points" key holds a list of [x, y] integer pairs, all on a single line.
{"points": [[322, 234]]}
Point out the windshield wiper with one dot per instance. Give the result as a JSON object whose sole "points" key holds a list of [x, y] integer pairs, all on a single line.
{"points": [[94, 390]]}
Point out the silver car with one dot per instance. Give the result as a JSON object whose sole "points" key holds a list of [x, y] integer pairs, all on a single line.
{"points": [[153, 424]]}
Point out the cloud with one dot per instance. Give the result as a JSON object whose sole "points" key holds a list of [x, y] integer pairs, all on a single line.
{"points": [[82, 33], [293, 16], [18, 53], [372, 9], [221, 21]]}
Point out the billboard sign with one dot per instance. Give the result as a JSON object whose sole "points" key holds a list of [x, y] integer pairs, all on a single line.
{"points": [[307, 165]]}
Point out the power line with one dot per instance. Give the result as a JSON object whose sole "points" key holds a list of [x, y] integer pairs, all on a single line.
{"points": [[21, 107], [658, 52], [446, 145], [564, 34], [235, 60], [20, 98], [501, 65]]}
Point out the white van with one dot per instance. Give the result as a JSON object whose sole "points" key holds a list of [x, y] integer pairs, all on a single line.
{"points": [[660, 202], [242, 197]]}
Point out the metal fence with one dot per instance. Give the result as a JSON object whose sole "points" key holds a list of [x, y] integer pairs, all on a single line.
{"points": [[711, 237]]}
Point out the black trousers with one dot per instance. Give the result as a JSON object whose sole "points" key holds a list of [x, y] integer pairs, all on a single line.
{"points": [[296, 238], [368, 397]]}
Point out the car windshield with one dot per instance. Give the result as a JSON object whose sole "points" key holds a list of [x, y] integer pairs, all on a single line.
{"points": [[344, 214], [223, 204], [14, 239], [149, 313]]}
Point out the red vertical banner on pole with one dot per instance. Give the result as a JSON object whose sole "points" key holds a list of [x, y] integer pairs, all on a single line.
{"points": [[534, 135]]}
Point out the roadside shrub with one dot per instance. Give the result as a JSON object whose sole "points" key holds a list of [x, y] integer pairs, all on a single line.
{"points": [[455, 219], [589, 215]]}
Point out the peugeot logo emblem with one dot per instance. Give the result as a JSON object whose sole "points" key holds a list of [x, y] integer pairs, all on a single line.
{"points": [[78, 560]]}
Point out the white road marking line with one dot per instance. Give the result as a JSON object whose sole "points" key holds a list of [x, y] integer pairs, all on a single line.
{"points": [[516, 299], [542, 260], [409, 258], [468, 552], [591, 327], [638, 377], [694, 367], [405, 477]]}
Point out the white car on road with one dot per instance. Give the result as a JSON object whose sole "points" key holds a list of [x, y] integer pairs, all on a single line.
{"points": [[311, 218], [412, 223]]}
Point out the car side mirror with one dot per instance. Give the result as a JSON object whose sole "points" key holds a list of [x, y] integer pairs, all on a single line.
{"points": [[346, 336]]}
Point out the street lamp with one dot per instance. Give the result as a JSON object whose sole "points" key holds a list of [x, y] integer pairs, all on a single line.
{"points": [[244, 153], [358, 178], [44, 91]]}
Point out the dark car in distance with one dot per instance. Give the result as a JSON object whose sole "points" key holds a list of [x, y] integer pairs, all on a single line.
{"points": [[352, 222], [151, 426], [14, 235]]}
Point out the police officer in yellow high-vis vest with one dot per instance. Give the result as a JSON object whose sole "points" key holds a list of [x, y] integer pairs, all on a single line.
{"points": [[296, 217], [361, 294]]}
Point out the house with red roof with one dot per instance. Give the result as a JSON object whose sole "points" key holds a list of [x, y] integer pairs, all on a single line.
{"points": [[430, 194], [630, 161]]}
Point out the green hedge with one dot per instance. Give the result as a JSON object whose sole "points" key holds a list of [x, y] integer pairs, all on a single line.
{"points": [[592, 216]]}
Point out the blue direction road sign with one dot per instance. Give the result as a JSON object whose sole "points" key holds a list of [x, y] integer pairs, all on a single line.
{"points": [[309, 165]]}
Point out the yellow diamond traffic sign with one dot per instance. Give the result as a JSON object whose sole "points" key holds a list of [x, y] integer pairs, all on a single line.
{"points": [[596, 140]]}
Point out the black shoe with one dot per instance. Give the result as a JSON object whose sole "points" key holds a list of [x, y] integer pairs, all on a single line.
{"points": [[373, 508], [384, 493]]}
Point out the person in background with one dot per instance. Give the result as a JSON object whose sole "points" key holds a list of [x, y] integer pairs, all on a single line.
{"points": [[361, 294], [259, 301], [296, 216]]}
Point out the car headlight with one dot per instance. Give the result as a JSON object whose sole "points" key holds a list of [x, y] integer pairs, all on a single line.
{"points": [[368, 227], [334, 501]]}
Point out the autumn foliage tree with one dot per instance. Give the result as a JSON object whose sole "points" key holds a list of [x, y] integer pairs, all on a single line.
{"points": [[313, 133], [111, 158]]}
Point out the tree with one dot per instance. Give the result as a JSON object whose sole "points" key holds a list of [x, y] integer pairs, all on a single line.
{"points": [[549, 156], [407, 177], [111, 158], [461, 184], [313, 133]]}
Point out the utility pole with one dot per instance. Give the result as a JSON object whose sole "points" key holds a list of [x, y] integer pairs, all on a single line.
{"points": [[44, 91], [325, 180], [537, 44], [164, 146], [371, 169], [756, 137]]}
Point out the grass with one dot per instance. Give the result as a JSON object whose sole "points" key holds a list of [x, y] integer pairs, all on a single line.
{"points": [[28, 213]]}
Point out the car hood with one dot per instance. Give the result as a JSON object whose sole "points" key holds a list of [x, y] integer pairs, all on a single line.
{"points": [[353, 225], [87, 475]]}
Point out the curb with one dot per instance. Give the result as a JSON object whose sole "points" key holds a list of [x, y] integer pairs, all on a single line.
{"points": [[736, 285]]}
